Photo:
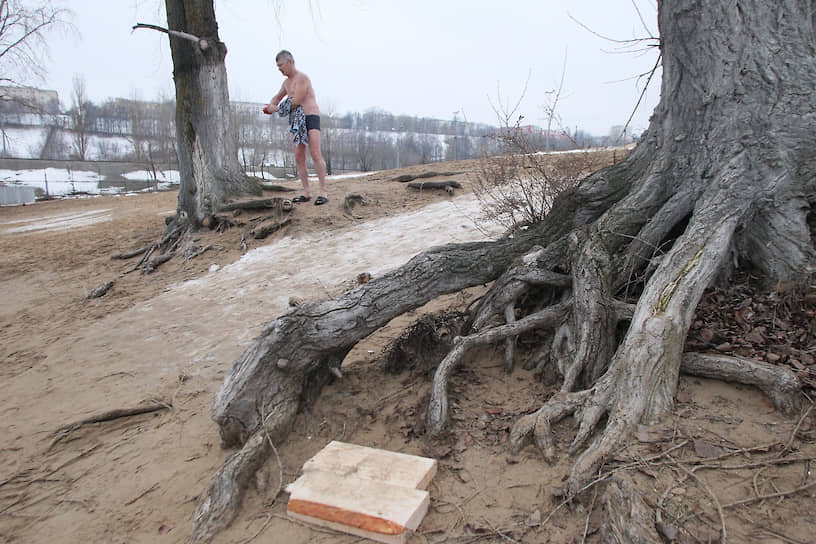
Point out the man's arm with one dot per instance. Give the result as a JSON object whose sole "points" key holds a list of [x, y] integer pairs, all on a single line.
{"points": [[272, 107]]}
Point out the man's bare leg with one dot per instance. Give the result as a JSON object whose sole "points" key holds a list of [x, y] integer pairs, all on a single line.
{"points": [[317, 160], [300, 164]]}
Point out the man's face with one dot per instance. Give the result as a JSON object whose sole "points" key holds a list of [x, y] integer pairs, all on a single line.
{"points": [[285, 67]]}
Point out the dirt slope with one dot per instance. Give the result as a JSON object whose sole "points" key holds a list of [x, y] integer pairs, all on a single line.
{"points": [[153, 339]]}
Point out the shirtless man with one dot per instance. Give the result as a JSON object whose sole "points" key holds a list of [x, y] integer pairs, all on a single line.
{"points": [[298, 88]]}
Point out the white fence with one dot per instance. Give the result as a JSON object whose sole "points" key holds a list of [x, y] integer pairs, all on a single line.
{"points": [[16, 194]]}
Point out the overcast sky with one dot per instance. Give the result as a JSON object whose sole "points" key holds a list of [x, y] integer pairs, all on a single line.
{"points": [[431, 58]]}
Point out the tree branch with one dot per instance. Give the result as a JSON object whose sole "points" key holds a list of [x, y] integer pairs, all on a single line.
{"points": [[202, 43]]}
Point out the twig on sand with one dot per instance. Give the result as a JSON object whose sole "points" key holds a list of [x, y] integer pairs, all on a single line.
{"points": [[111, 415], [770, 496], [795, 430], [152, 488], [724, 537]]}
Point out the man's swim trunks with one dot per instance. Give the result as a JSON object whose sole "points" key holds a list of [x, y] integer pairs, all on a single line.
{"points": [[312, 122]]}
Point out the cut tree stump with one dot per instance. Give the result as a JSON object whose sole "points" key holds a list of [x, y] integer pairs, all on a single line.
{"points": [[367, 492]]}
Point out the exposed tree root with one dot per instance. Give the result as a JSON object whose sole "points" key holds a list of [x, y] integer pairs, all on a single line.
{"points": [[778, 383], [425, 343], [277, 203], [224, 495], [628, 519], [438, 406], [276, 188], [177, 238]]}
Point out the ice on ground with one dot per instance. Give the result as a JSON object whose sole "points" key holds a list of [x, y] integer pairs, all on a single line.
{"points": [[315, 264], [59, 222]]}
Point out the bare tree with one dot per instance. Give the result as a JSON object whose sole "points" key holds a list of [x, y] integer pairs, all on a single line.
{"points": [[363, 148], [205, 141], [207, 149], [79, 118], [23, 28], [725, 174], [551, 105]]}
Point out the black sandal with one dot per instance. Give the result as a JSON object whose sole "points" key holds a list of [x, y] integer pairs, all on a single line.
{"points": [[301, 198], [321, 200]]}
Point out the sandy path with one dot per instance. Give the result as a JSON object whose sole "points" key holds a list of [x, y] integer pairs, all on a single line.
{"points": [[177, 347]]}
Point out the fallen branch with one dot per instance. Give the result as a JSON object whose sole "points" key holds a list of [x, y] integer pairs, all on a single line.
{"points": [[100, 290], [276, 188], [152, 488], [447, 186], [795, 430], [770, 496], [111, 415], [431, 174], [265, 229]]}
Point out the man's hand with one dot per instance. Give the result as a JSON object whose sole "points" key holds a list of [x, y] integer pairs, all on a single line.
{"points": [[269, 109]]}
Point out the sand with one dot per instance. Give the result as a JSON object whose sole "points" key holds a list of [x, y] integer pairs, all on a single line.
{"points": [[170, 337]]}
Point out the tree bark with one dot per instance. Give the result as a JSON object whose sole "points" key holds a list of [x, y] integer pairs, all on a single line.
{"points": [[205, 140], [730, 167]]}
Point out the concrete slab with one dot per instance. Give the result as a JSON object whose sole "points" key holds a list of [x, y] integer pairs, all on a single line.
{"points": [[363, 491], [374, 464]]}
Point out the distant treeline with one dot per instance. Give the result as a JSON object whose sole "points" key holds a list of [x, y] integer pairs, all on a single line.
{"points": [[144, 131]]}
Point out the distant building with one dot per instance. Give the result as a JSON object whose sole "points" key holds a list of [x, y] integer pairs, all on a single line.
{"points": [[28, 106], [28, 100]]}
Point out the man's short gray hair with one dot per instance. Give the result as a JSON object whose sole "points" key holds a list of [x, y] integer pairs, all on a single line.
{"points": [[285, 55]]}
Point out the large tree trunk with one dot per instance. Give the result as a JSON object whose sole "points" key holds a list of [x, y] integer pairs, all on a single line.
{"points": [[206, 144], [725, 174]]}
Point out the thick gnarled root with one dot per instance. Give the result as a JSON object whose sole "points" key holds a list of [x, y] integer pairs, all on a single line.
{"points": [[588, 406], [223, 498], [537, 427], [628, 519], [780, 385], [438, 405]]}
